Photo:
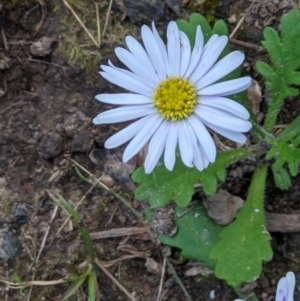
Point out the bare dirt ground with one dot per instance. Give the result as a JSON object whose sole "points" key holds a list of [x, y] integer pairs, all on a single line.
{"points": [[48, 82]]}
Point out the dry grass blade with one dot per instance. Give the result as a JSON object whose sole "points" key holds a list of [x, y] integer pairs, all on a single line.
{"points": [[117, 283], [126, 257], [79, 203], [98, 23], [81, 23], [107, 17], [163, 271], [14, 285], [241, 21]]}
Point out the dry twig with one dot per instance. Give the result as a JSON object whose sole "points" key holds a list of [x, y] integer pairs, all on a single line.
{"points": [[116, 282], [284, 223], [246, 44], [118, 232]]}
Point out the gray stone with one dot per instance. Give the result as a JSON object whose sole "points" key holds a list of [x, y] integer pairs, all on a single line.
{"points": [[144, 11], [10, 247]]}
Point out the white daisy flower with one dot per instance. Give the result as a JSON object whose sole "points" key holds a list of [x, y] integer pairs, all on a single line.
{"points": [[285, 288], [175, 97]]}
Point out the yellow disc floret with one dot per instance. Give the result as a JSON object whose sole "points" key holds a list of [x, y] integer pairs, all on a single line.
{"points": [[175, 98]]}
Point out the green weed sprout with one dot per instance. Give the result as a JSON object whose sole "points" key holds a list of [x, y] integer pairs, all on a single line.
{"points": [[89, 275]]}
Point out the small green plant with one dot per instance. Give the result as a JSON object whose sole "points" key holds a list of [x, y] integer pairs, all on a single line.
{"points": [[235, 252], [89, 275]]}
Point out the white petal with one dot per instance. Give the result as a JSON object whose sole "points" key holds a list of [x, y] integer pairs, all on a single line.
{"points": [[282, 290], [196, 53], [231, 135], [124, 113], [171, 142], [204, 138], [185, 53], [200, 160], [156, 147], [225, 104], [126, 80], [127, 133], [222, 119], [291, 281], [211, 41], [185, 144], [229, 87], [124, 99], [210, 55], [136, 67], [173, 48], [223, 67], [139, 141], [162, 47], [139, 52], [153, 51]]}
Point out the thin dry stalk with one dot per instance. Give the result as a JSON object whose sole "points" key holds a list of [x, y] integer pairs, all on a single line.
{"points": [[81, 23], [246, 44], [126, 257], [79, 203], [98, 23], [241, 21], [112, 278], [14, 285], [44, 239], [237, 26], [163, 271], [107, 17], [118, 232], [41, 249]]}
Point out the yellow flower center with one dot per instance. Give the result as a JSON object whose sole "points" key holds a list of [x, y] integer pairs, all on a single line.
{"points": [[175, 98]]}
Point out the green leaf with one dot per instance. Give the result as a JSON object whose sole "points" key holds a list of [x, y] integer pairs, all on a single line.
{"points": [[88, 242], [282, 178], [72, 290], [285, 149], [284, 52], [292, 130], [67, 206], [245, 242], [189, 28], [196, 235], [162, 185], [150, 214], [220, 28], [92, 287]]}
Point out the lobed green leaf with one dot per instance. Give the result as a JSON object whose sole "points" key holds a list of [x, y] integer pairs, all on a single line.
{"points": [[245, 242], [162, 185], [196, 236], [284, 52]]}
